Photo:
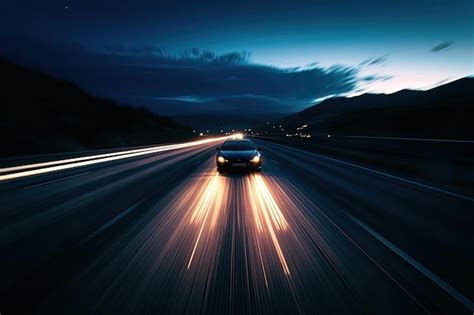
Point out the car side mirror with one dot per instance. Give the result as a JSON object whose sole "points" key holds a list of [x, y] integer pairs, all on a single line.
{"points": [[218, 148], [259, 149]]}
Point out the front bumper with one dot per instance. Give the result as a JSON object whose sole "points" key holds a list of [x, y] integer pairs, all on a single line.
{"points": [[238, 165]]}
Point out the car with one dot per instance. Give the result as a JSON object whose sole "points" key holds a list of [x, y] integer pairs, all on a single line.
{"points": [[239, 154]]}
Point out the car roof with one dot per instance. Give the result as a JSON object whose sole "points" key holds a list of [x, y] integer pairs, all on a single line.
{"points": [[239, 140]]}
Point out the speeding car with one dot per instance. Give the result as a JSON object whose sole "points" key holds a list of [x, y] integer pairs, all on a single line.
{"points": [[239, 154]]}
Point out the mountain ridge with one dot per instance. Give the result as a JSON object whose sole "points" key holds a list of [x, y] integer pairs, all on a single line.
{"points": [[446, 111]]}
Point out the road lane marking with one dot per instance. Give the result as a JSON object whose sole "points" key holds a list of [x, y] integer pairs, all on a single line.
{"points": [[381, 268], [109, 223], [275, 162], [406, 180], [429, 274], [53, 181]]}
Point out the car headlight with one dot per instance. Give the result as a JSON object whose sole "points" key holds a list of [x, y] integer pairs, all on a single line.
{"points": [[221, 159], [255, 159]]}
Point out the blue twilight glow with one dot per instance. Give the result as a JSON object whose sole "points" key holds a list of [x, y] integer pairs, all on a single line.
{"points": [[265, 57]]}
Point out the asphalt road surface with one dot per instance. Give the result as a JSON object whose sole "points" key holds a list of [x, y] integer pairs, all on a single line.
{"points": [[163, 233]]}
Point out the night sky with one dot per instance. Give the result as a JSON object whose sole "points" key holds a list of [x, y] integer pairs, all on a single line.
{"points": [[252, 57]]}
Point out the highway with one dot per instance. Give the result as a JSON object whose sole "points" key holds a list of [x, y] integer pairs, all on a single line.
{"points": [[161, 232]]}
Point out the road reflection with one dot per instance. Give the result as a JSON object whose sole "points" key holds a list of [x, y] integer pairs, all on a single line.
{"points": [[207, 206], [243, 237], [207, 210]]}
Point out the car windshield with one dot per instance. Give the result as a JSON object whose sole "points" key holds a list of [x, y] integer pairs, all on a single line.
{"points": [[238, 146]]}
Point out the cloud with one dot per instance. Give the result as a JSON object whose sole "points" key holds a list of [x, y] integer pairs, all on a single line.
{"points": [[442, 46], [194, 81], [374, 61], [134, 50]]}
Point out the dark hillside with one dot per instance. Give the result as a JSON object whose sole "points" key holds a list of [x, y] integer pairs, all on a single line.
{"points": [[444, 112], [42, 114]]}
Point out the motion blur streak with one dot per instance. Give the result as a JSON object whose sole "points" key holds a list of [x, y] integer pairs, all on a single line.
{"points": [[166, 234], [94, 159], [207, 210], [264, 205]]}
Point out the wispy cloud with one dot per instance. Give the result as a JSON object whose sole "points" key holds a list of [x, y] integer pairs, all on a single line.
{"points": [[374, 61], [442, 46]]}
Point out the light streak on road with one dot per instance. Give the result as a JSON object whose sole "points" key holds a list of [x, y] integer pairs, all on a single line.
{"points": [[207, 210], [258, 201], [252, 235], [267, 201], [65, 164], [264, 208], [221, 243]]}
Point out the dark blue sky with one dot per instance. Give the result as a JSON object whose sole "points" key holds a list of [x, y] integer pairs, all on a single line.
{"points": [[261, 57]]}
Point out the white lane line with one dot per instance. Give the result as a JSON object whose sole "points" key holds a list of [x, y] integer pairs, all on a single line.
{"points": [[56, 180], [429, 274], [447, 192], [105, 159], [275, 162], [197, 163], [381, 268], [111, 222], [406, 139]]}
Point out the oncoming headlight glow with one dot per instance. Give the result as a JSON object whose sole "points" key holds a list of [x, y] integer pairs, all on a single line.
{"points": [[255, 159]]}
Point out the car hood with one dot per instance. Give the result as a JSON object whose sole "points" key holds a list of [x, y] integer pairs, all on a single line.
{"points": [[244, 155]]}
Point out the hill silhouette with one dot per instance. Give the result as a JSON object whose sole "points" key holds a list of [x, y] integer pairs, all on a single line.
{"points": [[42, 114], [445, 112]]}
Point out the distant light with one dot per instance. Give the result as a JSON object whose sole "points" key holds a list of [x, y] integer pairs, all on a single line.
{"points": [[329, 136], [201, 134]]}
